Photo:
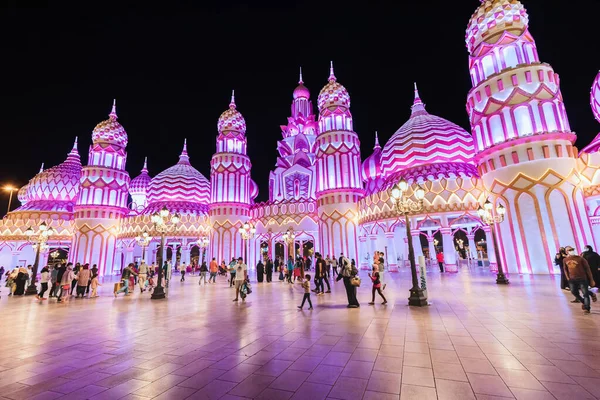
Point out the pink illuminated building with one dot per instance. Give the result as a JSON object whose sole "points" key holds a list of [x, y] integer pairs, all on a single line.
{"points": [[519, 153]]}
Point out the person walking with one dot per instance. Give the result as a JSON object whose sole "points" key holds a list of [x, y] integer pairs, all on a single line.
{"points": [[440, 260], [321, 275], [290, 269], [593, 260], [45, 277], [306, 287], [347, 272], [182, 270], [269, 270], [334, 266], [260, 271], [53, 282], [579, 275], [66, 280], [241, 274], [232, 272], [376, 286], [83, 278], [204, 271], [94, 284], [143, 275], [559, 261], [127, 272]]}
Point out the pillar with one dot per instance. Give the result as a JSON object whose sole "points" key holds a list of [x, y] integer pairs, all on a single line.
{"points": [[14, 262], [472, 245], [432, 250], [491, 252], [129, 255], [186, 253], [416, 240], [364, 252], [390, 256], [405, 255], [372, 249], [449, 250]]}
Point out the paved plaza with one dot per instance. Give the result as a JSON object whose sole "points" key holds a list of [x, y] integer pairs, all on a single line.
{"points": [[476, 341]]}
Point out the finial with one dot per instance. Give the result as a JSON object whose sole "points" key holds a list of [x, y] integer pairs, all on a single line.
{"points": [[113, 113], [417, 97], [183, 158], [418, 107], [376, 141], [331, 74], [41, 169], [232, 102], [300, 81], [74, 150], [145, 168]]}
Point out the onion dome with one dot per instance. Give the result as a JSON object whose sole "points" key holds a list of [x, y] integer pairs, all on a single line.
{"points": [[231, 120], [426, 139], [333, 95], [301, 92], [22, 194], [595, 104], [110, 131], [59, 183], [493, 17], [371, 167], [179, 183], [139, 185], [253, 189]]}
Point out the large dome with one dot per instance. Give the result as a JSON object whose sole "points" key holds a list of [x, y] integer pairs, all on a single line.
{"points": [[231, 120], [494, 17], [333, 95], [595, 104], [141, 183], [110, 131], [59, 183], [426, 139], [179, 183]]}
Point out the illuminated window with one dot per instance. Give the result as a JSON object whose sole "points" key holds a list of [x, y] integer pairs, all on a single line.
{"points": [[510, 56], [549, 117], [523, 121]]}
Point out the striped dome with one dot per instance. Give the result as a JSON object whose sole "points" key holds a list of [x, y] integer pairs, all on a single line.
{"points": [[426, 139], [493, 17], [179, 183], [141, 183], [333, 95], [231, 120], [371, 167], [253, 189], [59, 183], [110, 131], [595, 104]]}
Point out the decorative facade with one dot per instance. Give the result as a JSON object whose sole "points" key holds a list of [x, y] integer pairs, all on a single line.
{"points": [[520, 153]]}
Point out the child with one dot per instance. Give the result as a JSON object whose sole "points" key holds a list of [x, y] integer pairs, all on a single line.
{"points": [[306, 286], [376, 286], [94, 286]]}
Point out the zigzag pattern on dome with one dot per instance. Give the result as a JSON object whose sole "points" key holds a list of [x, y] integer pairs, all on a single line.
{"points": [[141, 183], [426, 139], [179, 183], [595, 104], [494, 16]]}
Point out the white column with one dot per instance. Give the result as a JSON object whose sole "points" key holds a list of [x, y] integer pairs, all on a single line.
{"points": [[416, 240], [129, 255], [432, 252], [449, 250], [491, 252], [472, 245], [363, 251], [372, 249], [390, 256], [186, 251]]}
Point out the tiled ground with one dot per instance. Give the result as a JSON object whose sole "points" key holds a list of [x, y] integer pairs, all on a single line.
{"points": [[477, 340]]}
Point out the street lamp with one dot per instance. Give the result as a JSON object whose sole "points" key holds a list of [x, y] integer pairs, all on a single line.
{"points": [[202, 243], [247, 231], [143, 241], [289, 237], [163, 221], [11, 190], [39, 242], [491, 218], [406, 206]]}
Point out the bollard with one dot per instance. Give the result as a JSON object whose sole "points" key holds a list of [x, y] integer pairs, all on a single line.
{"points": [[423, 273]]}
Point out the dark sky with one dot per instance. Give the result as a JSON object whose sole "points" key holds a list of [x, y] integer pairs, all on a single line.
{"points": [[172, 67]]}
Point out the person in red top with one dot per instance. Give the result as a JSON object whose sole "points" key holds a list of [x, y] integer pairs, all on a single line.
{"points": [[376, 286], [440, 260]]}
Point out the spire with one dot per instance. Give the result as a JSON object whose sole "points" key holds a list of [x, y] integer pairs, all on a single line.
{"points": [[145, 168], [232, 102], [377, 146], [418, 108], [183, 158], [331, 74], [113, 113], [41, 169], [300, 81], [74, 150], [73, 155]]}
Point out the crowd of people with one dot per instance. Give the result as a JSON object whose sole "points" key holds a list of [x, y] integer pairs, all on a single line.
{"points": [[579, 273]]}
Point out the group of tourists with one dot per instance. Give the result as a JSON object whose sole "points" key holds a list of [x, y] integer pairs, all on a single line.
{"points": [[579, 273]]}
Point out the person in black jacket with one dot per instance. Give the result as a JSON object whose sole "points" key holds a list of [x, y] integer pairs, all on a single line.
{"points": [[558, 260], [593, 260], [260, 271], [269, 270]]}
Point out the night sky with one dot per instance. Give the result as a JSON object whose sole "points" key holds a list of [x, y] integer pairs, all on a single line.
{"points": [[172, 68]]}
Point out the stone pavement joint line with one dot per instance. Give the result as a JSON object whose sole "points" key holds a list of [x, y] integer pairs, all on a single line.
{"points": [[477, 340]]}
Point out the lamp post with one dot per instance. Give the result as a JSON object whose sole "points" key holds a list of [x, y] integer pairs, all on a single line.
{"points": [[491, 217], [202, 243], [406, 206], [247, 231], [39, 242], [11, 190], [289, 237], [143, 241], [163, 221]]}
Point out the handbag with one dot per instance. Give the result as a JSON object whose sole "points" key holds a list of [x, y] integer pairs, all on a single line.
{"points": [[355, 281]]}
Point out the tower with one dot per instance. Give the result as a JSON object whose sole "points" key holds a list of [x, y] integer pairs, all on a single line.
{"points": [[523, 142], [232, 190], [102, 200], [339, 183]]}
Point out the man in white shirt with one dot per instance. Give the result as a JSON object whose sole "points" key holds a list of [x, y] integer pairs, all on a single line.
{"points": [[142, 275], [241, 274], [334, 266]]}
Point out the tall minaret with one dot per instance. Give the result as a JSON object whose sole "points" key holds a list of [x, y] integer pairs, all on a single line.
{"points": [[102, 200], [231, 187], [523, 142], [339, 183]]}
